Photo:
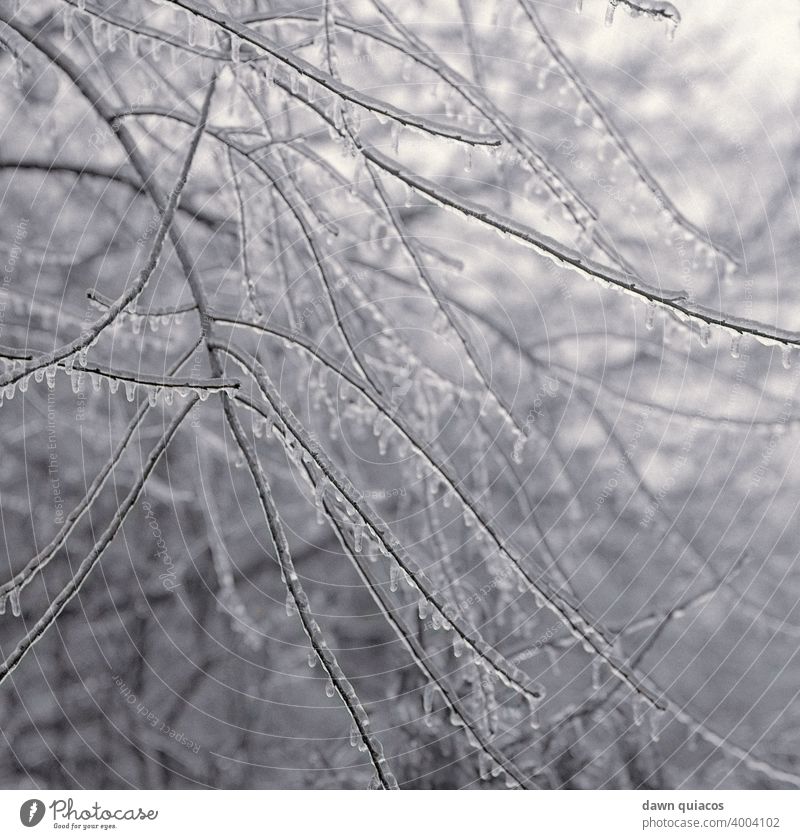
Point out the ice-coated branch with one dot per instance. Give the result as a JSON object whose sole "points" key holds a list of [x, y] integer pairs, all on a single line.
{"points": [[241, 209], [113, 174], [380, 531], [60, 601], [46, 554], [427, 284], [421, 658], [618, 139], [241, 33], [301, 603], [150, 312], [79, 346], [675, 302], [568, 612]]}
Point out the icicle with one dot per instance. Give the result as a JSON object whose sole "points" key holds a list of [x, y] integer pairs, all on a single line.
{"points": [[13, 599], [422, 608], [50, 374], [3, 598], [235, 51], [191, 25], [578, 6], [672, 28], [693, 739], [427, 697], [786, 357], [533, 711], [355, 735], [736, 342], [650, 319], [468, 158], [383, 440], [329, 689], [729, 270], [395, 573], [597, 673], [319, 499], [553, 659], [358, 536], [395, 136], [458, 646], [639, 708], [130, 391], [289, 604], [705, 334], [269, 71], [655, 725], [375, 783], [68, 15], [152, 396], [484, 765], [610, 9], [96, 31]]}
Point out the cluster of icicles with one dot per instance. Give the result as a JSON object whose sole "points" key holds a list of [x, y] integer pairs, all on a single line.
{"points": [[704, 331], [154, 322], [12, 598], [373, 546], [155, 392], [200, 34]]}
